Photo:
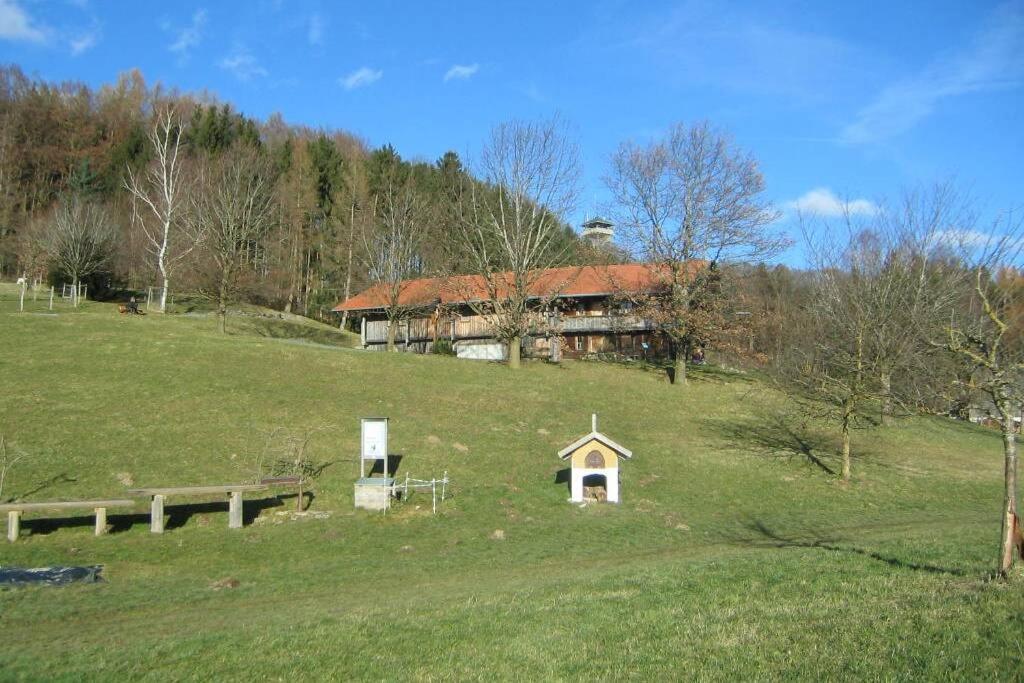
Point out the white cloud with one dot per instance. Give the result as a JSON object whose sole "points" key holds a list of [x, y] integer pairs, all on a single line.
{"points": [[360, 77], [994, 60], [85, 41], [975, 242], [190, 36], [315, 31], [822, 201], [532, 92], [15, 24], [243, 65], [461, 72]]}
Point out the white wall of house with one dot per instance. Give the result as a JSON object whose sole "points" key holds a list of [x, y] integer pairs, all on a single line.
{"points": [[481, 351]]}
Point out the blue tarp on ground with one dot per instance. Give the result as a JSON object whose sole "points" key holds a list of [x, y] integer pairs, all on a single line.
{"points": [[51, 576]]}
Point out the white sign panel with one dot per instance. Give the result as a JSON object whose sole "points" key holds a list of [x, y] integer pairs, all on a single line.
{"points": [[375, 438]]}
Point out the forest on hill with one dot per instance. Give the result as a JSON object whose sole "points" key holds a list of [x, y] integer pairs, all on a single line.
{"points": [[324, 192]]}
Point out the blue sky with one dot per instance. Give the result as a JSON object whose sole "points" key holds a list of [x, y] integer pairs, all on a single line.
{"points": [[841, 99]]}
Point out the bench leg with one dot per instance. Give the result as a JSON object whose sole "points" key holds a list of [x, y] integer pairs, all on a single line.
{"points": [[13, 525], [156, 515], [101, 521], [235, 510]]}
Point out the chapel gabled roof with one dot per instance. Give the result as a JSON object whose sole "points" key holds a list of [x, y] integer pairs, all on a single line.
{"points": [[595, 436]]}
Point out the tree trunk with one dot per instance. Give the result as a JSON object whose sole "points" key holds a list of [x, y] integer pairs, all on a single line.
{"points": [[161, 262], [679, 366], [74, 293], [163, 294], [846, 447], [514, 347], [885, 379], [222, 304], [348, 262], [1006, 551], [392, 329]]}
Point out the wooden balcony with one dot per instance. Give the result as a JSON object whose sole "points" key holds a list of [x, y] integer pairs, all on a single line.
{"points": [[603, 323], [478, 327]]}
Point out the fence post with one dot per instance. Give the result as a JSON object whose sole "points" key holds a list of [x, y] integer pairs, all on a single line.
{"points": [[21, 303], [51, 297]]}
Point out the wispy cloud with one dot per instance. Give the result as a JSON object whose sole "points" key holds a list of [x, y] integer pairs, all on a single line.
{"points": [[85, 41], [360, 77], [243, 65], [532, 92], [315, 30], [16, 24], [822, 201], [190, 36], [732, 46], [994, 60], [461, 72], [967, 240]]}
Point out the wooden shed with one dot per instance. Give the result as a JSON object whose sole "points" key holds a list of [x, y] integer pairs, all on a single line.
{"points": [[594, 461]]}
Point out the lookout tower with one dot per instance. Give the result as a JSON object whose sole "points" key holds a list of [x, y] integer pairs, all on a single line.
{"points": [[598, 231]]}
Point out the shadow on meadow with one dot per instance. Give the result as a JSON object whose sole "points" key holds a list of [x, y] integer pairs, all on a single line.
{"points": [[791, 436], [778, 435], [41, 486], [177, 516], [760, 534]]}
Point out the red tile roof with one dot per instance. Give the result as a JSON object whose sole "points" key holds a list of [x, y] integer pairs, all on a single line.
{"points": [[563, 282]]}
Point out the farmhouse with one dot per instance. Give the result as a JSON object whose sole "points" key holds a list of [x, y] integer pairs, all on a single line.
{"points": [[579, 311]]}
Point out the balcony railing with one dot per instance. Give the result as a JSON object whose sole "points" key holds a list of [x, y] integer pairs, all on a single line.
{"points": [[478, 327], [603, 323]]}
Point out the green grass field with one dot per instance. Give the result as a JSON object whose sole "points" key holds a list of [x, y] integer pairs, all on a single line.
{"points": [[732, 554]]}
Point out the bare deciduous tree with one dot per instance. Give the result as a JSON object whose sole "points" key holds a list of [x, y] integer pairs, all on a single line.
{"points": [[989, 337], [160, 196], [689, 202], [233, 209], [880, 290], [79, 238], [832, 368], [9, 457], [392, 248], [509, 231], [359, 213], [911, 289]]}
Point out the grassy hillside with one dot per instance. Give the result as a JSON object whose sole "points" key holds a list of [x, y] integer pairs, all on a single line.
{"points": [[732, 555]]}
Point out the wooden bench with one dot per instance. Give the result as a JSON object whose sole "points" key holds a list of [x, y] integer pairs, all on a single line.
{"points": [[99, 507], [158, 496]]}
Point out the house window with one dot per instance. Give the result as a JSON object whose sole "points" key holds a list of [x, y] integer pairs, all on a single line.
{"points": [[579, 342]]}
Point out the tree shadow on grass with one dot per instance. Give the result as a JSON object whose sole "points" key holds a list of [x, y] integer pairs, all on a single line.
{"points": [[764, 536], [779, 436], [43, 485]]}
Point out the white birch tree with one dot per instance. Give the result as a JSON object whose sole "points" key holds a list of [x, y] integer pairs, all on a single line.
{"points": [[160, 196]]}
